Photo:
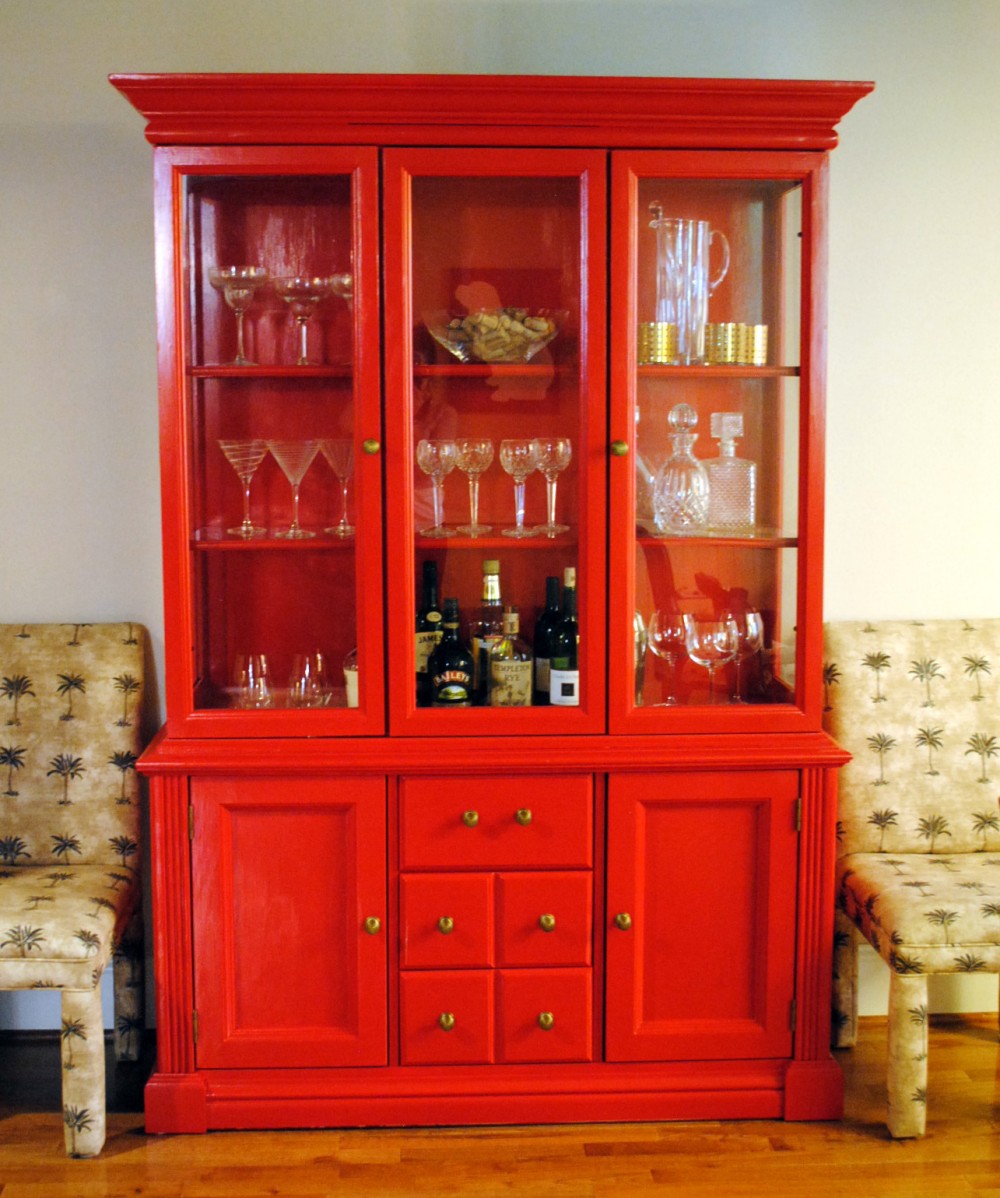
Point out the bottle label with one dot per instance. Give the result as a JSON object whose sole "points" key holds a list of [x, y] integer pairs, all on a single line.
{"points": [[425, 644], [510, 683], [452, 688], [542, 674], [564, 688]]}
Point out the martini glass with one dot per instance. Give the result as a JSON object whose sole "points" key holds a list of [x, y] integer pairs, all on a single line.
{"points": [[303, 294], [245, 457], [666, 640], [294, 458], [475, 455], [437, 459], [554, 455], [710, 644], [339, 453], [238, 285], [518, 458], [750, 633]]}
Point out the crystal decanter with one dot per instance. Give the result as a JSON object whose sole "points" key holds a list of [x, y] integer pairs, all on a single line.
{"points": [[732, 481], [681, 490]]}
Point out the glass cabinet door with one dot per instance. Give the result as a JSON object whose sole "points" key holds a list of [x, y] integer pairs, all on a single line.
{"points": [[274, 502], [714, 332], [496, 432]]}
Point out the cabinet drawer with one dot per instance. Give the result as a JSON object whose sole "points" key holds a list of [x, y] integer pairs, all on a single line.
{"points": [[491, 822], [446, 1017], [545, 1015], [446, 921], [544, 918]]}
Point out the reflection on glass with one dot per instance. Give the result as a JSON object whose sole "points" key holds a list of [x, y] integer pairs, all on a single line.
{"points": [[294, 458], [339, 453], [475, 454], [245, 457]]}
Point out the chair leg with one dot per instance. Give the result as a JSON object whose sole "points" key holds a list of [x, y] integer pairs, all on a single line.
{"points": [[129, 991], [907, 1114], [845, 983], [83, 1082]]}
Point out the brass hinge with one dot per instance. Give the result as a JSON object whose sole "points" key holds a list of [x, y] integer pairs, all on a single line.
{"points": [[190, 821], [798, 814], [194, 1026], [793, 1011]]}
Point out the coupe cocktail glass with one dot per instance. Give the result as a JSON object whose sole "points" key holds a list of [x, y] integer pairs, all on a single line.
{"points": [[239, 285], [294, 458], [245, 457], [303, 294], [475, 454]]}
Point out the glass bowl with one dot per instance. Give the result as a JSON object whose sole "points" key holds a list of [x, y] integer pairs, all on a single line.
{"points": [[495, 334]]}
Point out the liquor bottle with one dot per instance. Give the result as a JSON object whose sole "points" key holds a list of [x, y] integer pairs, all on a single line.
{"points": [[449, 666], [564, 672], [544, 627], [510, 666], [487, 628], [428, 631], [732, 481]]}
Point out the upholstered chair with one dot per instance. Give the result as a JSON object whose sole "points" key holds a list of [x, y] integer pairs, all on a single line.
{"points": [[918, 875], [71, 726]]}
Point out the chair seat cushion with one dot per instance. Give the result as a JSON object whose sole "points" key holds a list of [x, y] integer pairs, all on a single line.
{"points": [[925, 912], [59, 924]]}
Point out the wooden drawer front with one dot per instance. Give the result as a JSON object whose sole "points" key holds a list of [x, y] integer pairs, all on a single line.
{"points": [[491, 822], [558, 998], [544, 918], [446, 921], [446, 1018]]}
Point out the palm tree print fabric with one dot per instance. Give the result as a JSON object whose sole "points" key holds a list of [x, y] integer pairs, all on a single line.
{"points": [[918, 705]]}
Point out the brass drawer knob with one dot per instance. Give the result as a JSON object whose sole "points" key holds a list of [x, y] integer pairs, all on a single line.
{"points": [[623, 921], [523, 817], [446, 1021], [470, 818], [547, 923], [370, 445], [373, 925], [619, 449], [446, 925], [546, 1021]]}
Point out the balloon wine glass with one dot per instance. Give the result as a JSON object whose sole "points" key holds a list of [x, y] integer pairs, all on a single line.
{"points": [[666, 634], [474, 456], [294, 458], [711, 643], [750, 640], [245, 457], [239, 285], [339, 453]]}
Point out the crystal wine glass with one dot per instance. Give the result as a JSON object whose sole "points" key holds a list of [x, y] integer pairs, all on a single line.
{"points": [[554, 455], [519, 457], [437, 459], [294, 458], [474, 456], [339, 453], [711, 643], [238, 285], [750, 634], [245, 457], [303, 294], [666, 635]]}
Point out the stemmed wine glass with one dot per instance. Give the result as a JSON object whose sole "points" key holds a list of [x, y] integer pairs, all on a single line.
{"points": [[519, 457], [303, 294], [437, 459], [666, 635], [554, 455], [750, 634], [474, 456], [245, 457], [294, 458], [339, 453], [238, 285], [710, 644]]}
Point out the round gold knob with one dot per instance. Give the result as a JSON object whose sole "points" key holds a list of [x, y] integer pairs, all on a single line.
{"points": [[619, 449], [446, 1021], [623, 921], [547, 923], [373, 925], [446, 924], [370, 445], [523, 817], [546, 1021], [470, 818]]}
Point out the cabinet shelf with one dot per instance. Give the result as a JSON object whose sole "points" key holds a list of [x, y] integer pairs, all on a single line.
{"points": [[486, 370], [767, 539], [718, 372], [498, 542], [207, 541], [249, 373]]}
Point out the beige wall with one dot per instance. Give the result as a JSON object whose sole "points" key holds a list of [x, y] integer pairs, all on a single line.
{"points": [[914, 397]]}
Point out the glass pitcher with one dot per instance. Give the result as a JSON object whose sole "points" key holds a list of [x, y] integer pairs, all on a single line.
{"points": [[683, 282]]}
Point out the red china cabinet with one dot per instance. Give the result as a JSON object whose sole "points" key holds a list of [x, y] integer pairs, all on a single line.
{"points": [[509, 343]]}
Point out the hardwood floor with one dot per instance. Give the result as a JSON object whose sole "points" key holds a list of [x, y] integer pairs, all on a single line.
{"points": [[959, 1156]]}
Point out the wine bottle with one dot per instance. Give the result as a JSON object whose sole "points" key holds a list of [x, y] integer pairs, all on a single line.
{"points": [[510, 666], [544, 627], [564, 672], [428, 631], [487, 628], [450, 666]]}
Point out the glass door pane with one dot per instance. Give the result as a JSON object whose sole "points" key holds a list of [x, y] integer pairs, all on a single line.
{"points": [[498, 489], [277, 410]]}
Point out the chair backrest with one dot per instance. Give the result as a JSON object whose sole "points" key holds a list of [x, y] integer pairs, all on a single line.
{"points": [[71, 729], [918, 704]]}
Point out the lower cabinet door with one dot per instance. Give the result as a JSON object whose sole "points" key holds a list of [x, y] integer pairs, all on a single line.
{"points": [[446, 1017], [544, 1015], [700, 935], [289, 886]]}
